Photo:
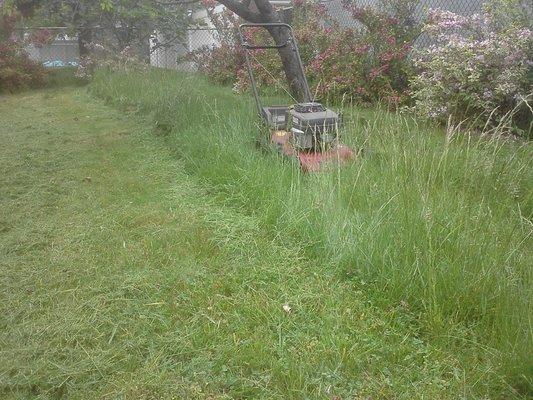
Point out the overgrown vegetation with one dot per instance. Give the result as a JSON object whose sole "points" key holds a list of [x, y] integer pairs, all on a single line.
{"points": [[479, 71], [17, 71], [367, 63], [124, 277], [431, 224]]}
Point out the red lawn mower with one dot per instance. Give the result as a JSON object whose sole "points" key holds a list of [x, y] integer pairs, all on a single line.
{"points": [[307, 131]]}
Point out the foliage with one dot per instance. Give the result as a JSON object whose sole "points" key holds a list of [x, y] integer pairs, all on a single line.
{"points": [[17, 70], [117, 23], [367, 64], [108, 59], [478, 70], [130, 23], [8, 25], [370, 63], [221, 63], [505, 13]]}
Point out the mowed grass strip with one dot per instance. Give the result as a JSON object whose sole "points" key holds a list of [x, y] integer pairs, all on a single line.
{"points": [[121, 278]]}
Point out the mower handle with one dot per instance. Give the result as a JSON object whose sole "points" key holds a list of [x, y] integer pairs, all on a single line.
{"points": [[291, 41], [248, 46]]}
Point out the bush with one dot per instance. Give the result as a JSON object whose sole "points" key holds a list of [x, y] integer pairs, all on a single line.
{"points": [[17, 70], [103, 57], [369, 63], [366, 64], [478, 70], [220, 64]]}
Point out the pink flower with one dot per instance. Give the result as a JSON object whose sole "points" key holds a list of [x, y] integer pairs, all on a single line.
{"points": [[375, 72], [387, 56], [392, 21], [362, 49]]}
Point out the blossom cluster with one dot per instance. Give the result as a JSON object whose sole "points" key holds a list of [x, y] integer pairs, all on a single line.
{"points": [[367, 63], [474, 71]]}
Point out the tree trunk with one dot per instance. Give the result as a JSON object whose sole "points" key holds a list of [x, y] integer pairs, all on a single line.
{"points": [[85, 37], [262, 11], [291, 65]]}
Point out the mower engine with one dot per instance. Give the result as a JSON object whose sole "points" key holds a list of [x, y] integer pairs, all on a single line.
{"points": [[314, 127]]}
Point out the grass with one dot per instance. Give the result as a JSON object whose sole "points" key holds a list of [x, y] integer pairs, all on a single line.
{"points": [[134, 267], [124, 278], [437, 222], [63, 77]]}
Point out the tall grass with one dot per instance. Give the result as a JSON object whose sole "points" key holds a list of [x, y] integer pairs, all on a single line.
{"points": [[439, 222]]}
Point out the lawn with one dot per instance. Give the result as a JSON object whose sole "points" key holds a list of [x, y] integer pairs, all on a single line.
{"points": [[150, 253]]}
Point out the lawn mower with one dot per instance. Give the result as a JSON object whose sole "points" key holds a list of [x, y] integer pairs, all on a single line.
{"points": [[307, 131]]}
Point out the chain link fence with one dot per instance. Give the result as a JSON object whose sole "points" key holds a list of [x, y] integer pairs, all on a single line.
{"points": [[56, 47], [176, 55], [463, 7]]}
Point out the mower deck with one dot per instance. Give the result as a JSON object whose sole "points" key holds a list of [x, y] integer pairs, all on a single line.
{"points": [[311, 161]]}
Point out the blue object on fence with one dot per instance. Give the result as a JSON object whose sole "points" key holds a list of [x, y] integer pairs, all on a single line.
{"points": [[59, 63]]}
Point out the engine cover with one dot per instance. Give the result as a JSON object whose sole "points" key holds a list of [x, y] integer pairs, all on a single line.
{"points": [[314, 127]]}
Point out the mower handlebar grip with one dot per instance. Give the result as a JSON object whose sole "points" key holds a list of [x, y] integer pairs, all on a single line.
{"points": [[274, 46]]}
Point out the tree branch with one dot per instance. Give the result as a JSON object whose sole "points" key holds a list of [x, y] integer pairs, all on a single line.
{"points": [[242, 10]]}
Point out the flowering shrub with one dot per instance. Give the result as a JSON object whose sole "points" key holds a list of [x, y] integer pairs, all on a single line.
{"points": [[17, 70], [366, 64], [103, 57], [220, 64], [370, 63], [477, 70]]}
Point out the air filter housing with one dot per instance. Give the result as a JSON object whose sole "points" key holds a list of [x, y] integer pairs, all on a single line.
{"points": [[314, 127]]}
